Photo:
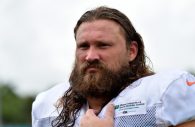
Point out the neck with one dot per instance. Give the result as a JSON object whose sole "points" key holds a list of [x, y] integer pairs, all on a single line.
{"points": [[96, 103]]}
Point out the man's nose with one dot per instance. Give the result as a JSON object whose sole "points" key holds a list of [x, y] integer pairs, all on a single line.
{"points": [[92, 55]]}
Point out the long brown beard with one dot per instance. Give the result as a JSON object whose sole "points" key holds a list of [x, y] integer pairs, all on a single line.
{"points": [[104, 83]]}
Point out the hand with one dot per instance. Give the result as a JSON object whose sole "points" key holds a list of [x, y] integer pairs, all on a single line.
{"points": [[91, 120], [187, 124]]}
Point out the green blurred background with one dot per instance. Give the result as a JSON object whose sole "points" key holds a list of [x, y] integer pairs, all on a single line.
{"points": [[15, 110]]}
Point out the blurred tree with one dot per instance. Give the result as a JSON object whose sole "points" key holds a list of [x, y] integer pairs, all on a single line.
{"points": [[14, 109], [192, 71]]}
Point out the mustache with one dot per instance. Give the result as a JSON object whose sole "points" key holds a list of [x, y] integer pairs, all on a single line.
{"points": [[91, 64]]}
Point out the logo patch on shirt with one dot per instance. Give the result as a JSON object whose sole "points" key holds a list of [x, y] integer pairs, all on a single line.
{"points": [[130, 108], [190, 83]]}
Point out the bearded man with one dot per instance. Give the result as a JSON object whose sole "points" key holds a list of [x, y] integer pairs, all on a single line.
{"points": [[110, 67]]}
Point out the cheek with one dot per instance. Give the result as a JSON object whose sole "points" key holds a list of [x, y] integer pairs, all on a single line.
{"points": [[80, 57], [117, 62]]}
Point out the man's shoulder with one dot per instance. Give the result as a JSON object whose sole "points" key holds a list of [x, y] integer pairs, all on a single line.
{"points": [[170, 73], [53, 92], [163, 78], [167, 93], [45, 102], [155, 86]]}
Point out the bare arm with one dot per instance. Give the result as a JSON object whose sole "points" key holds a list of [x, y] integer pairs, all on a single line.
{"points": [[91, 120]]}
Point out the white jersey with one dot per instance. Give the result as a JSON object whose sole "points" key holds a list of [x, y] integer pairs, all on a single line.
{"points": [[160, 100]]}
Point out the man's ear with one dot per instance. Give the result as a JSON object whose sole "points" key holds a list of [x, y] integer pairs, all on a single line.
{"points": [[133, 50]]}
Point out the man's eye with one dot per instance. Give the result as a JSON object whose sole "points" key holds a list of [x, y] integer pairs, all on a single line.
{"points": [[104, 45], [83, 46]]}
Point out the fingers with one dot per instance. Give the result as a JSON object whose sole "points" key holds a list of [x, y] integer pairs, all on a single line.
{"points": [[91, 120], [88, 119], [90, 112], [109, 114]]}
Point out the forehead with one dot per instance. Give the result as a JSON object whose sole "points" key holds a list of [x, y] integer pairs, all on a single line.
{"points": [[100, 25]]}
